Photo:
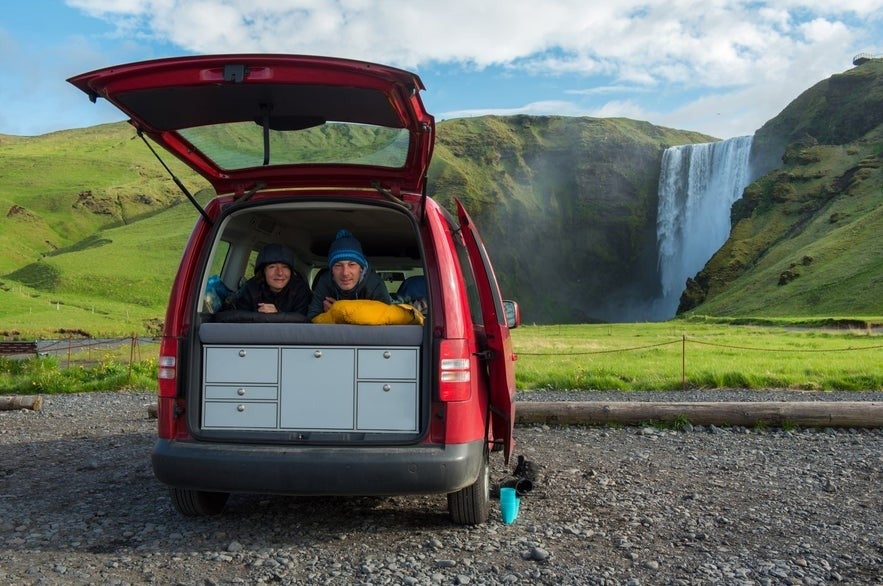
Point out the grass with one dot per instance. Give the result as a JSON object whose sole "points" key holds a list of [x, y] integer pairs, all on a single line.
{"points": [[47, 375], [59, 188], [27, 313], [684, 354], [113, 284]]}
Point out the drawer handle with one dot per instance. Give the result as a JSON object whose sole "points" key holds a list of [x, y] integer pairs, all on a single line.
{"points": [[387, 388], [240, 407], [242, 353], [240, 391], [317, 354], [387, 354]]}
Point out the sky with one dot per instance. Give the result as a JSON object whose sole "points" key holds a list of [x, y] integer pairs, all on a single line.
{"points": [[720, 67]]}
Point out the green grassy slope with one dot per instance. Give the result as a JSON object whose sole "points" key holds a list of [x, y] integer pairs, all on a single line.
{"points": [[806, 236], [117, 281], [813, 252], [60, 188]]}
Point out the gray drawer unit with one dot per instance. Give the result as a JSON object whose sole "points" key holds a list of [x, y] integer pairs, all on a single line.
{"points": [[326, 388], [240, 390], [240, 415]]}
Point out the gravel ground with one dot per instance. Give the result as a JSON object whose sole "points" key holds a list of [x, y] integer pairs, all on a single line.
{"points": [[79, 505]]}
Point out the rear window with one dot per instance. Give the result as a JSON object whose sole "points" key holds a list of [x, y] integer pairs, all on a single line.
{"points": [[240, 145]]}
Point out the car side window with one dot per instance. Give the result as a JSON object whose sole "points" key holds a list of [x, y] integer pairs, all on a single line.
{"points": [[468, 279]]}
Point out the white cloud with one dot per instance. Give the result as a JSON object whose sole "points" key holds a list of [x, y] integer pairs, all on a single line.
{"points": [[623, 109], [684, 41], [749, 57], [540, 108]]}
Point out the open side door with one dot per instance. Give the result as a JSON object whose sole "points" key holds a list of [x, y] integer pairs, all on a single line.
{"points": [[501, 356]]}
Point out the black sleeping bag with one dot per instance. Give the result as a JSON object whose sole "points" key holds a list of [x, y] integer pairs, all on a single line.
{"points": [[244, 316]]}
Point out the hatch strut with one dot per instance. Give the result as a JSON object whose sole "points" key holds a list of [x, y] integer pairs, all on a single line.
{"points": [[389, 194], [423, 202], [265, 123], [177, 181]]}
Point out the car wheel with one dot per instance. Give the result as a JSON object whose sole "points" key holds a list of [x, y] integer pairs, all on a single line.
{"points": [[198, 503], [471, 505]]}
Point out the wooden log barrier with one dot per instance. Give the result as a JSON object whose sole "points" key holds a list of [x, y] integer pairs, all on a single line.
{"points": [[33, 402], [749, 414], [18, 347]]}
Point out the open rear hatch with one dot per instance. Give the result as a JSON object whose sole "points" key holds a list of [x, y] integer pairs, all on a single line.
{"points": [[248, 122]]}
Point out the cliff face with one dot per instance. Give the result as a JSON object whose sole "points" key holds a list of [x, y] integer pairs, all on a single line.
{"points": [[805, 237], [567, 207]]}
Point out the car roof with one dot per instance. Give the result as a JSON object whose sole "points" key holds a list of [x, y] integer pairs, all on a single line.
{"points": [[265, 121]]}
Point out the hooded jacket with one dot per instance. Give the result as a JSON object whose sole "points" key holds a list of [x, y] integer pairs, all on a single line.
{"points": [[293, 298]]}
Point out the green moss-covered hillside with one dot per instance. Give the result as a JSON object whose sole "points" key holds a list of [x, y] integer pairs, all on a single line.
{"points": [[806, 235]]}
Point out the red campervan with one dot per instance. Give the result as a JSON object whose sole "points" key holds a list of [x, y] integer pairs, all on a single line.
{"points": [[296, 148]]}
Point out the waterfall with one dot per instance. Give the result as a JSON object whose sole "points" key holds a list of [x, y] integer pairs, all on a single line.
{"points": [[698, 184]]}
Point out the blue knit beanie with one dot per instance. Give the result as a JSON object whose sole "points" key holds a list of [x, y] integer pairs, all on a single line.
{"points": [[346, 247]]}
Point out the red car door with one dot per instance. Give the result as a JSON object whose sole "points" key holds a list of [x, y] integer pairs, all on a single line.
{"points": [[501, 356]]}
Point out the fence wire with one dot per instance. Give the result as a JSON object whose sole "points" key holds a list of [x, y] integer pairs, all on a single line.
{"points": [[686, 339]]}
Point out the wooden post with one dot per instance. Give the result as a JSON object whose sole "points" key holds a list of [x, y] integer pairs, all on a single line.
{"points": [[683, 362], [131, 356]]}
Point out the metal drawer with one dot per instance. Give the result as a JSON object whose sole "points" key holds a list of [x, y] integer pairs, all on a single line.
{"points": [[389, 363], [239, 415], [387, 406], [247, 365], [241, 392]]}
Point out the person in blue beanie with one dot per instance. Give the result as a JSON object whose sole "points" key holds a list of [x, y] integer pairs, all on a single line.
{"points": [[349, 277], [275, 286]]}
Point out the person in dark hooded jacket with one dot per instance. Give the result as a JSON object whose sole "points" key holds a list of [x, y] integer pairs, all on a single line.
{"points": [[349, 277], [275, 286]]}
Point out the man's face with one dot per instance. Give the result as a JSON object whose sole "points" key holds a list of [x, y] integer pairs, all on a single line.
{"points": [[277, 275], [346, 274]]}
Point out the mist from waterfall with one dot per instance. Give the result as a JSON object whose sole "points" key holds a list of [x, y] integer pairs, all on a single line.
{"points": [[698, 184]]}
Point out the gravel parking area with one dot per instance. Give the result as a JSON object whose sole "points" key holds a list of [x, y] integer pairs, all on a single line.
{"points": [[612, 505]]}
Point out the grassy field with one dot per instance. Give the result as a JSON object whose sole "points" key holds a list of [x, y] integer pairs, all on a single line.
{"points": [[113, 284], [700, 354], [126, 365], [696, 353]]}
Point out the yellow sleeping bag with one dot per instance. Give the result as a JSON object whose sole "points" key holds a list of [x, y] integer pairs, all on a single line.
{"points": [[368, 312]]}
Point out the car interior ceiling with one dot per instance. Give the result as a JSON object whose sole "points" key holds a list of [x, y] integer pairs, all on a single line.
{"points": [[387, 236]]}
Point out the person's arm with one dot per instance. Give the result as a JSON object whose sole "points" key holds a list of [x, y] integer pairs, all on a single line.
{"points": [[245, 299], [320, 291]]}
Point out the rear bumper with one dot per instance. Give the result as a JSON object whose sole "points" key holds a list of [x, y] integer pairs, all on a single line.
{"points": [[317, 470]]}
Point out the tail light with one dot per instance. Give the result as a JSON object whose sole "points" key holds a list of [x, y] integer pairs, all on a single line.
{"points": [[455, 371], [167, 374], [167, 377]]}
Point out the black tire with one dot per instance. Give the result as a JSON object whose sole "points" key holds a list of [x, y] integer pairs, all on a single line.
{"points": [[198, 503], [472, 505]]}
